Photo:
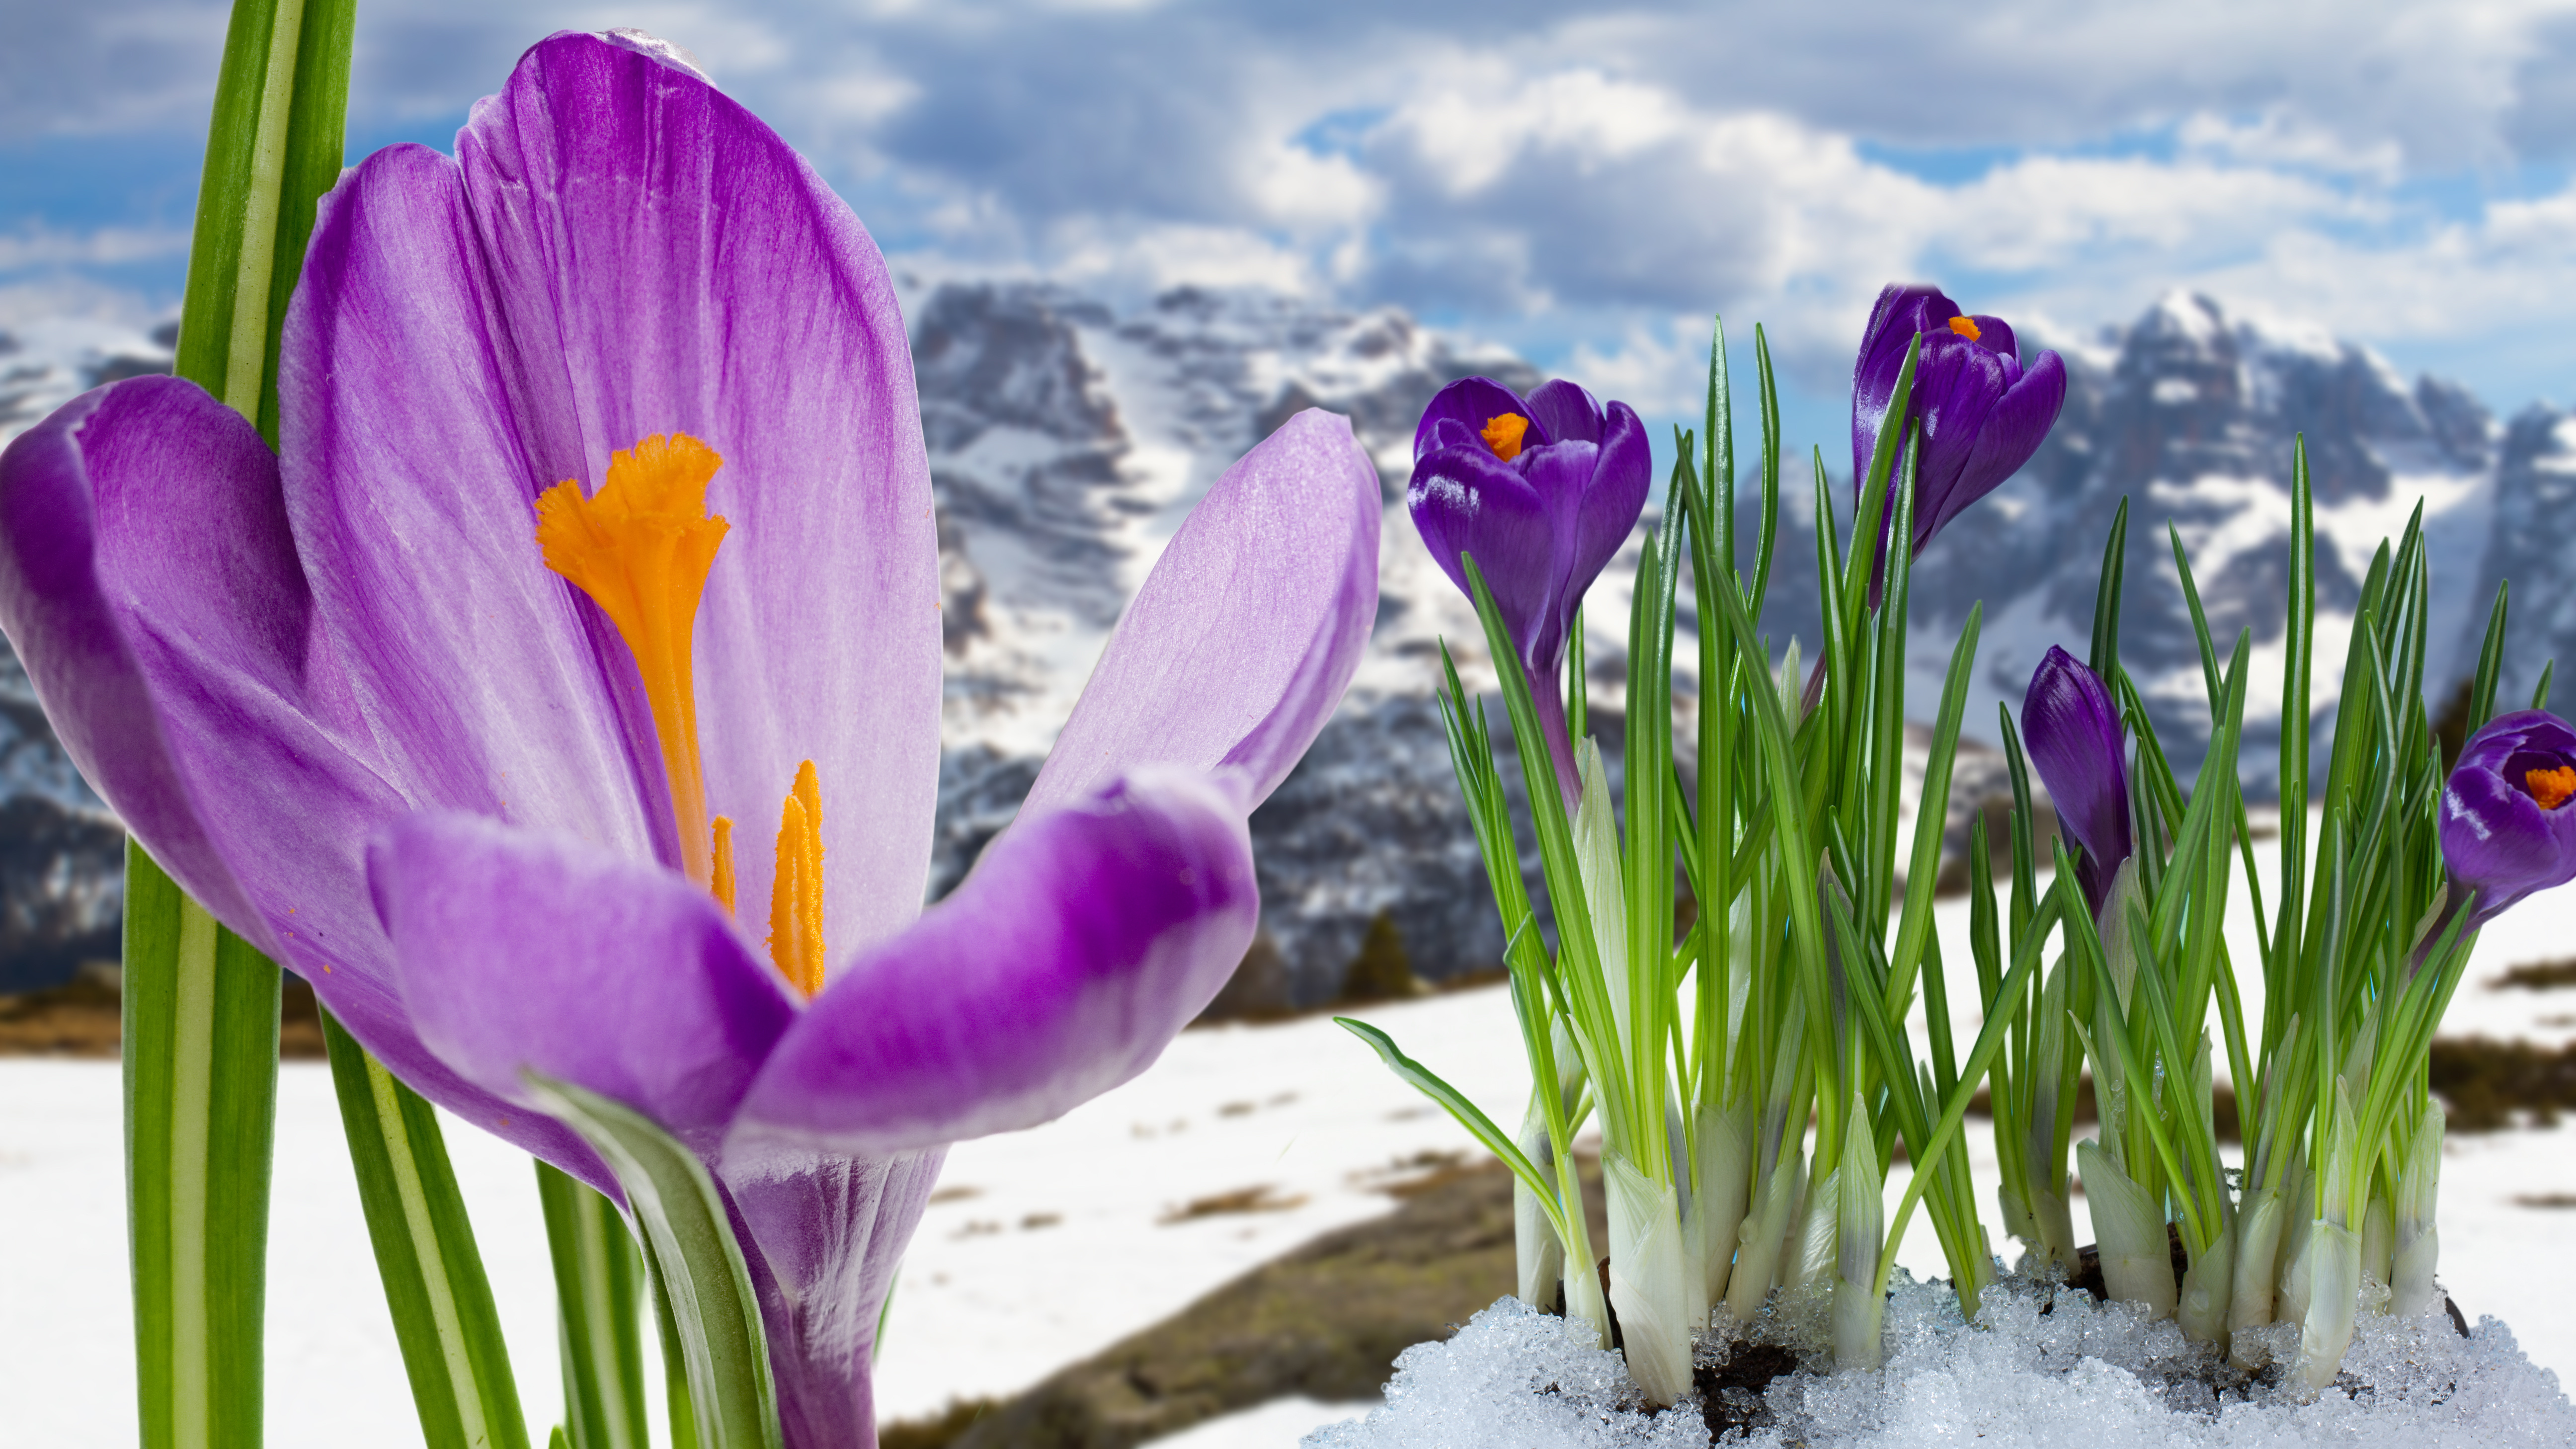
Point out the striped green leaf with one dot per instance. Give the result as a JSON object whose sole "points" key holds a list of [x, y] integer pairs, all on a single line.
{"points": [[598, 1311], [272, 149], [201, 1005], [201, 1009], [433, 1275], [696, 1265]]}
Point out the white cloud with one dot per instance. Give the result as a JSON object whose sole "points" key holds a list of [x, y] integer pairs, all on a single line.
{"points": [[43, 246]]}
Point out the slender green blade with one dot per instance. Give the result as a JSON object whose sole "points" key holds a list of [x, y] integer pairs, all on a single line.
{"points": [[425, 1253], [201, 1006], [1422, 1079], [598, 1312], [272, 149], [200, 1046], [714, 1315]]}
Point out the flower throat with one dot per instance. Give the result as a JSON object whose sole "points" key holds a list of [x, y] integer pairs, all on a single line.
{"points": [[641, 548]]}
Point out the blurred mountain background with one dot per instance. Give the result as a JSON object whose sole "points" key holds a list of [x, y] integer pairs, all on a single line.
{"points": [[1069, 435]]}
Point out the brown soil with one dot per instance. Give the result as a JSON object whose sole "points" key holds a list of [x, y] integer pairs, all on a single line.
{"points": [[84, 1018], [1325, 1321]]}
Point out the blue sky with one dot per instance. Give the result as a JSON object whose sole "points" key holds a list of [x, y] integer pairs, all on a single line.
{"points": [[1584, 185]]}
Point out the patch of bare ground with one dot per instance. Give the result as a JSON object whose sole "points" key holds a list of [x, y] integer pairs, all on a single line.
{"points": [[84, 1017], [1325, 1321]]}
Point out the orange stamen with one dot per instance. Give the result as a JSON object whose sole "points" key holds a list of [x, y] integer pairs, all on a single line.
{"points": [[723, 882], [640, 548], [2551, 787], [1503, 433], [796, 891], [1965, 327]]}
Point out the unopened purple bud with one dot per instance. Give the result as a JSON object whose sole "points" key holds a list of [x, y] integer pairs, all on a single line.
{"points": [[2073, 732]]}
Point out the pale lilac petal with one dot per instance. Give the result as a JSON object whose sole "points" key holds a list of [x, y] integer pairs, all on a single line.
{"points": [[1085, 939], [663, 262], [518, 950], [823, 1235], [1236, 650], [412, 468], [148, 579]]}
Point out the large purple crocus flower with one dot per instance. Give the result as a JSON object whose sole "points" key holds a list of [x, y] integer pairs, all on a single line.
{"points": [[1540, 492], [2076, 743], [461, 741], [1983, 415], [2507, 826]]}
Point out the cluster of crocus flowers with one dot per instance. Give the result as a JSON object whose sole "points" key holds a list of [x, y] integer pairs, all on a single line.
{"points": [[1540, 492], [1983, 413], [602, 523]]}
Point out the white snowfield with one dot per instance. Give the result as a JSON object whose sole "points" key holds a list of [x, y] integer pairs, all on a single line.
{"points": [[1045, 1246]]}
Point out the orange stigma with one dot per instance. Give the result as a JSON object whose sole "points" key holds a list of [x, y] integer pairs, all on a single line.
{"points": [[2551, 787], [1503, 433], [722, 885], [640, 548], [796, 891], [1966, 327]]}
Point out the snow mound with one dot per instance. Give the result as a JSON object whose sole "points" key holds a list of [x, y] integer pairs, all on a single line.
{"points": [[2035, 1377]]}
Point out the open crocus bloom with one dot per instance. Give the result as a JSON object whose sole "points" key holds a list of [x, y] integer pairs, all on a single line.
{"points": [[1540, 494], [2508, 826], [1983, 415], [602, 523], [2077, 745]]}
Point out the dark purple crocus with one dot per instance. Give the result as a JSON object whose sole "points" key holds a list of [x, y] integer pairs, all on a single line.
{"points": [[1982, 414], [601, 523], [2075, 740], [2509, 811], [1540, 492]]}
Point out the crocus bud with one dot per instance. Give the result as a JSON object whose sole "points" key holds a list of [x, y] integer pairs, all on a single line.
{"points": [[1983, 415], [1541, 492], [2508, 828], [2074, 736]]}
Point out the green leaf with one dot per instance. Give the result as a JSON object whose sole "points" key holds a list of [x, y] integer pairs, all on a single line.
{"points": [[695, 1261], [200, 1048], [1467, 1113], [273, 148], [598, 1312], [425, 1253]]}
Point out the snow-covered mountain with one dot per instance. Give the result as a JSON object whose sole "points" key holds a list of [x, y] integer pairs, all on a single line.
{"points": [[1068, 438]]}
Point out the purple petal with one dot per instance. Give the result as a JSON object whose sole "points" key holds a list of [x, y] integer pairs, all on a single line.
{"points": [[1465, 501], [823, 1236], [2011, 432], [1956, 384], [1236, 650], [412, 466], [2496, 838], [1086, 937], [520, 950], [2075, 740], [1996, 335], [1900, 314], [1567, 412], [1562, 475], [1622, 476], [690, 271], [148, 579], [1472, 402]]}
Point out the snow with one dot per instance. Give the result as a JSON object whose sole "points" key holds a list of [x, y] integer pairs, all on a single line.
{"points": [[2034, 1378], [1046, 1246]]}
